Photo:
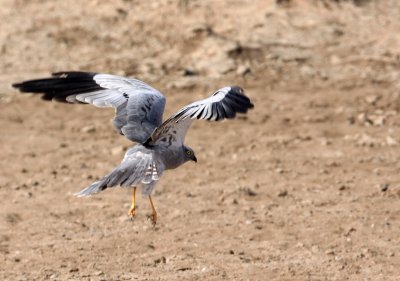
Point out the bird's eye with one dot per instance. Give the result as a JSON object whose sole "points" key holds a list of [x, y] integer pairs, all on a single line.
{"points": [[188, 152]]}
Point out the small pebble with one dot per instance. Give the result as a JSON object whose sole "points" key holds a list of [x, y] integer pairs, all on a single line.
{"points": [[384, 187], [88, 129], [283, 193]]}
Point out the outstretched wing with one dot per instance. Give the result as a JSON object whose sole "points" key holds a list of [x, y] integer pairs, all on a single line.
{"points": [[224, 103], [137, 167], [139, 107]]}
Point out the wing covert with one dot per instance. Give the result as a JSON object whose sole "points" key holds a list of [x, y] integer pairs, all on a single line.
{"points": [[223, 104]]}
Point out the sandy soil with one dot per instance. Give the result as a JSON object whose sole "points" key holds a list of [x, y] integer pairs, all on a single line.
{"points": [[305, 187]]}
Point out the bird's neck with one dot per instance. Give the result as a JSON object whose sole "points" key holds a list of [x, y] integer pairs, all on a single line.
{"points": [[171, 157]]}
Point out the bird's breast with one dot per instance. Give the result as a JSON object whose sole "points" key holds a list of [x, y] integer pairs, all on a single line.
{"points": [[171, 158]]}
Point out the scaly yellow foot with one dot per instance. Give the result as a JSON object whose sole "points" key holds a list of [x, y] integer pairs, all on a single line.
{"points": [[153, 216], [132, 210]]}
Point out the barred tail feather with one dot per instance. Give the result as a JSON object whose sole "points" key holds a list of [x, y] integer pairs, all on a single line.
{"points": [[120, 176], [94, 188], [130, 172]]}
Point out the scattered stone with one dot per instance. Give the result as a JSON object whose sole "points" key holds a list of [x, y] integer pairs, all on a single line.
{"points": [[351, 120], [200, 29], [74, 269], [377, 120], [384, 187], [63, 145], [88, 129], [122, 12], [351, 230], [329, 252], [32, 154], [283, 193], [363, 119], [248, 191], [243, 70], [367, 140], [189, 72], [325, 142], [333, 164], [160, 260], [372, 99]]}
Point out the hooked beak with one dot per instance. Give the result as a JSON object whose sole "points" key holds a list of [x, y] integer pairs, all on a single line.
{"points": [[194, 159]]}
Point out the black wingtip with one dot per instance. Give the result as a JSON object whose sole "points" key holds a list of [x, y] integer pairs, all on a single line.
{"points": [[23, 87], [16, 85], [239, 93], [60, 85]]}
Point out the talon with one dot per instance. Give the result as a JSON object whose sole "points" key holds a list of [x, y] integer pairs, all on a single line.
{"points": [[132, 211], [153, 216]]}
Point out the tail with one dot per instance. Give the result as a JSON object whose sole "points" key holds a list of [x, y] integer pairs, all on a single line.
{"points": [[120, 176], [94, 188], [130, 172]]}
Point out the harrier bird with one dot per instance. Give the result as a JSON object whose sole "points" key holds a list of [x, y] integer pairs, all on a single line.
{"points": [[139, 109]]}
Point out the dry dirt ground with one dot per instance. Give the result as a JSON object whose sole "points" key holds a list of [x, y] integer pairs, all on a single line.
{"points": [[305, 187]]}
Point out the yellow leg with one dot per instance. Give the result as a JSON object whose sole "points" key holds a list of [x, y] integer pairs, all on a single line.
{"points": [[132, 211], [153, 216]]}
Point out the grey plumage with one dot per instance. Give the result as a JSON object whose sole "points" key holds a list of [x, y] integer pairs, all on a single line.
{"points": [[137, 168], [139, 109]]}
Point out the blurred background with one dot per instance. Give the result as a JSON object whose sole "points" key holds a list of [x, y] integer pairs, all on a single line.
{"points": [[304, 187]]}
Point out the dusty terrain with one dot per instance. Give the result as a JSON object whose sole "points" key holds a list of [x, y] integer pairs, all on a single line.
{"points": [[305, 187]]}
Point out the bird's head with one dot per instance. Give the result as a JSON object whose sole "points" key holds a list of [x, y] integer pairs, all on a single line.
{"points": [[189, 154]]}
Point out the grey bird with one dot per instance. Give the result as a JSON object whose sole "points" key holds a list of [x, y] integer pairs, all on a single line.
{"points": [[139, 109]]}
